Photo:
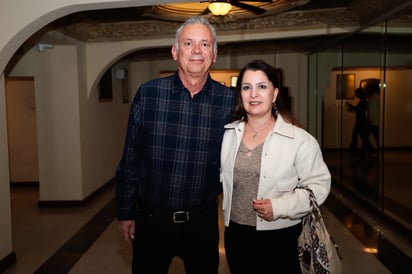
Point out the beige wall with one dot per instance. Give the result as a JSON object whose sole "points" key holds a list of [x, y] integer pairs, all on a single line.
{"points": [[78, 149], [57, 107], [339, 122], [103, 126]]}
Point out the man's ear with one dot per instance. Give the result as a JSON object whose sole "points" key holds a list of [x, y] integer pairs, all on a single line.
{"points": [[174, 53]]}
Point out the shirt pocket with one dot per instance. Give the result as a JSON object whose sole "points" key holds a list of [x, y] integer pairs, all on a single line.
{"points": [[287, 184]]}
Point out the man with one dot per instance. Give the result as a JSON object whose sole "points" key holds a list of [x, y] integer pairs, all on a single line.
{"points": [[168, 178]]}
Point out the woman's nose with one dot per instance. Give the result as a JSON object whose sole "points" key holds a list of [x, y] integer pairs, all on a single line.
{"points": [[253, 93]]}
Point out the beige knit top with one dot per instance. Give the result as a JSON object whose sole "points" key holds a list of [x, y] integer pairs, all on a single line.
{"points": [[245, 185]]}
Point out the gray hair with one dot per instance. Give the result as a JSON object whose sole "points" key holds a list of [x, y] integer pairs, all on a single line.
{"points": [[196, 20]]}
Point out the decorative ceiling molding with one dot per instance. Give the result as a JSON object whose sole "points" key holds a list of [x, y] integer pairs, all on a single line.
{"points": [[87, 31], [284, 17], [181, 11]]}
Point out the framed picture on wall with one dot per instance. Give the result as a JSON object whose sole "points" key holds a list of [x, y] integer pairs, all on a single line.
{"points": [[345, 86], [233, 81]]}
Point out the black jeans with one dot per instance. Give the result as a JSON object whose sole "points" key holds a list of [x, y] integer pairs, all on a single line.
{"points": [[158, 240], [262, 252]]}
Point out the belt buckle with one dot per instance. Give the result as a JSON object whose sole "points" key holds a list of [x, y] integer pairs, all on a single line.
{"points": [[180, 217]]}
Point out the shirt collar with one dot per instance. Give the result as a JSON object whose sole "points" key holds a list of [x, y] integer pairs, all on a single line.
{"points": [[284, 128], [179, 87], [281, 127]]}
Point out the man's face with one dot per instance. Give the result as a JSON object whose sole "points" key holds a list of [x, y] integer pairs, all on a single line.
{"points": [[195, 55]]}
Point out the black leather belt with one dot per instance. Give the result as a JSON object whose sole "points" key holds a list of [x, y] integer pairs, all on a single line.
{"points": [[181, 216]]}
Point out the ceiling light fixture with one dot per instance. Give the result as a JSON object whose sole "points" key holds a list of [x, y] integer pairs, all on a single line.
{"points": [[221, 7]]}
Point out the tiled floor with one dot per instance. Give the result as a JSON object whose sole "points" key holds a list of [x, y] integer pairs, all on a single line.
{"points": [[57, 240], [382, 181]]}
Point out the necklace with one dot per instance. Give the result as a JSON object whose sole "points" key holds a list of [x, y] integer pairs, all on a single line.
{"points": [[256, 133]]}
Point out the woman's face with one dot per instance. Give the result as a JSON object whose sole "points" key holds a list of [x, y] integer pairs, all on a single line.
{"points": [[258, 93]]}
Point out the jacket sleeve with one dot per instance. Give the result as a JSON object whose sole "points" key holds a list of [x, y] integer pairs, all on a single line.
{"points": [[311, 171]]}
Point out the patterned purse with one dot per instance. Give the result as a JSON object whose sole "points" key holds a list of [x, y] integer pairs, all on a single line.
{"points": [[317, 251]]}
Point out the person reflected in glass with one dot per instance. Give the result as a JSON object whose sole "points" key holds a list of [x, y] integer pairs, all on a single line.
{"points": [[373, 91], [361, 127], [264, 157]]}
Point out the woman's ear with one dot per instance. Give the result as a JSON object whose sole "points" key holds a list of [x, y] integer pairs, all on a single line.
{"points": [[275, 94]]}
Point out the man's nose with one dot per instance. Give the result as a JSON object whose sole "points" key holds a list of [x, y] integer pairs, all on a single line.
{"points": [[196, 48]]}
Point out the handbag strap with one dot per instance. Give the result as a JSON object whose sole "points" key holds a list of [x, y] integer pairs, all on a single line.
{"points": [[313, 203], [317, 214]]}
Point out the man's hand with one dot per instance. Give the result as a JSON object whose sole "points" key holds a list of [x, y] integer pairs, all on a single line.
{"points": [[126, 229]]}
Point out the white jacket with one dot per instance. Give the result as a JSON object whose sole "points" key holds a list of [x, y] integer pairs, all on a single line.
{"points": [[290, 156]]}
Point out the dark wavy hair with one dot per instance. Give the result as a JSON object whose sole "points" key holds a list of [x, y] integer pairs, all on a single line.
{"points": [[275, 77]]}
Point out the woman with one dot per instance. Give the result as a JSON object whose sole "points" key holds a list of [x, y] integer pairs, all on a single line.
{"points": [[264, 158]]}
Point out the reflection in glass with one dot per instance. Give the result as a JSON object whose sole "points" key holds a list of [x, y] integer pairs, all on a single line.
{"points": [[379, 61]]}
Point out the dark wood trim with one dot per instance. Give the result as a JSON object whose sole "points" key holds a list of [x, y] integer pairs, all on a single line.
{"points": [[7, 261], [65, 203], [23, 184], [76, 203], [19, 78]]}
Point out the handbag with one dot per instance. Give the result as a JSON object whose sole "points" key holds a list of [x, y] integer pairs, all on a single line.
{"points": [[317, 251]]}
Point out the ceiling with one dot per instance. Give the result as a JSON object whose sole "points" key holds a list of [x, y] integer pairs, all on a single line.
{"points": [[136, 23], [140, 22], [181, 11]]}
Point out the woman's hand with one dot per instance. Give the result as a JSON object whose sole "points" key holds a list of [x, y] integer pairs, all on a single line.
{"points": [[263, 209]]}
